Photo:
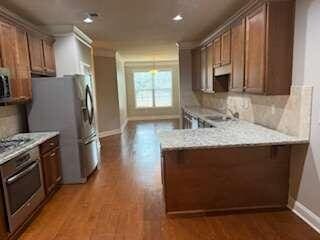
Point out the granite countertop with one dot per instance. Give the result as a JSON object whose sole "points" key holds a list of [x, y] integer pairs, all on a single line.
{"points": [[37, 138], [232, 133]]}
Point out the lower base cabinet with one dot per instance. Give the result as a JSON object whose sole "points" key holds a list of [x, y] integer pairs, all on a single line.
{"points": [[51, 164], [225, 179]]}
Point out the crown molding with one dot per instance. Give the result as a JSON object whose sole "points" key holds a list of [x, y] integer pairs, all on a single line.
{"points": [[12, 17], [69, 30]]}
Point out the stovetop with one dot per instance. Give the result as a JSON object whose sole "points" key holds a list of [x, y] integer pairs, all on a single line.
{"points": [[9, 144]]}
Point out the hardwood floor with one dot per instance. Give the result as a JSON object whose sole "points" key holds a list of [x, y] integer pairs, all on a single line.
{"points": [[124, 201]]}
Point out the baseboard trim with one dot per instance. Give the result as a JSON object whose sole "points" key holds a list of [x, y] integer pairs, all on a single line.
{"points": [[147, 118], [305, 214], [109, 133]]}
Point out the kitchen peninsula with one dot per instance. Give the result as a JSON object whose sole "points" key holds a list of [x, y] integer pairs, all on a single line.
{"points": [[234, 165]]}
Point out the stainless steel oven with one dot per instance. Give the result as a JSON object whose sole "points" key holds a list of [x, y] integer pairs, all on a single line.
{"points": [[23, 187]]}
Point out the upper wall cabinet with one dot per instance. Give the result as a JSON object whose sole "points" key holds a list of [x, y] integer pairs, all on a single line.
{"points": [[225, 48], [217, 52], [269, 46], [209, 82], [203, 64], [15, 57], [41, 55], [48, 56], [252, 52], [238, 56]]}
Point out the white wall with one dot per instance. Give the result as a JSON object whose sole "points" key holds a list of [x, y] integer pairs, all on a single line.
{"points": [[305, 186], [122, 94], [187, 96]]}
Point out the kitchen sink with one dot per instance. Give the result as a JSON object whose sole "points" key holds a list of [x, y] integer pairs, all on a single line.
{"points": [[219, 118]]}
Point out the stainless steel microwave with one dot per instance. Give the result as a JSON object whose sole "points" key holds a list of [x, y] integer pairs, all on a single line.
{"points": [[5, 88]]}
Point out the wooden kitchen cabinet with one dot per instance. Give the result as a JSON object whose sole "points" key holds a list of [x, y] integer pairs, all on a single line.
{"points": [[14, 56], [196, 69], [36, 54], [209, 82], [222, 179], [23, 65], [217, 52], [238, 56], [226, 48], [269, 47], [41, 53], [48, 56], [51, 166], [255, 50], [203, 65], [3, 222]]}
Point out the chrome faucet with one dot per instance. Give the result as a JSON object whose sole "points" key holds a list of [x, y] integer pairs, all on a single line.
{"points": [[234, 114]]}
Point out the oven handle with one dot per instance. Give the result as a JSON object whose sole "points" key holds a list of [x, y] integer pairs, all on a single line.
{"points": [[22, 174]]}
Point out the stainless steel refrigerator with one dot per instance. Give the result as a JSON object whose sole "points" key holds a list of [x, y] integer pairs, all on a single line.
{"points": [[66, 105]]}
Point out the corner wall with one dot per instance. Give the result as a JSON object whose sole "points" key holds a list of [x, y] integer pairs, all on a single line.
{"points": [[107, 94]]}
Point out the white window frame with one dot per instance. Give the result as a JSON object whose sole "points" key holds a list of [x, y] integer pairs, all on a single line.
{"points": [[153, 91]]}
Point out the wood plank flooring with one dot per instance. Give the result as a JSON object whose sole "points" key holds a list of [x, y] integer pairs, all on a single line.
{"points": [[124, 201]]}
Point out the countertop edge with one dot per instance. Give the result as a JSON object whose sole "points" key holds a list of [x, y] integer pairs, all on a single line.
{"points": [[39, 139]]}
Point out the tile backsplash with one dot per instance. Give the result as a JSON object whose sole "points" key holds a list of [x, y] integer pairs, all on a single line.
{"points": [[11, 120], [287, 114]]}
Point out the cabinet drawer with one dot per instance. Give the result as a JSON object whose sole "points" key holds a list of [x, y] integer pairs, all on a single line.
{"points": [[49, 144]]}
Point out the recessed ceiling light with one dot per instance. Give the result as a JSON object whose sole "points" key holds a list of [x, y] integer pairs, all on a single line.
{"points": [[177, 18], [90, 17]]}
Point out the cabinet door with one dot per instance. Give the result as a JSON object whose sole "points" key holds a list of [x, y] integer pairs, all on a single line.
{"points": [[51, 169], [196, 70], [3, 221], [36, 54], [210, 68], [217, 52], [238, 50], [8, 54], [255, 50], [49, 60], [23, 64], [203, 69], [225, 48]]}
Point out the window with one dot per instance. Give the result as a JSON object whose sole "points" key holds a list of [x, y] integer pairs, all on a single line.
{"points": [[153, 89]]}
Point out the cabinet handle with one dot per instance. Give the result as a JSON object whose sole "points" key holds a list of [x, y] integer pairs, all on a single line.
{"points": [[52, 154], [51, 144]]}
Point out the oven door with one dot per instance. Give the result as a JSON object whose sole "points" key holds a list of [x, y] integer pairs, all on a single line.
{"points": [[23, 193]]}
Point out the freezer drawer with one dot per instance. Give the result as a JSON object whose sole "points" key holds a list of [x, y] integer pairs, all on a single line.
{"points": [[90, 156]]}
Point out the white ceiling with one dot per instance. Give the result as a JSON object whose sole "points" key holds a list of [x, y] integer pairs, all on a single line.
{"points": [[138, 29]]}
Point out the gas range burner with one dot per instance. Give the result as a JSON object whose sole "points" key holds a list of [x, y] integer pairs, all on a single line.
{"points": [[9, 144]]}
